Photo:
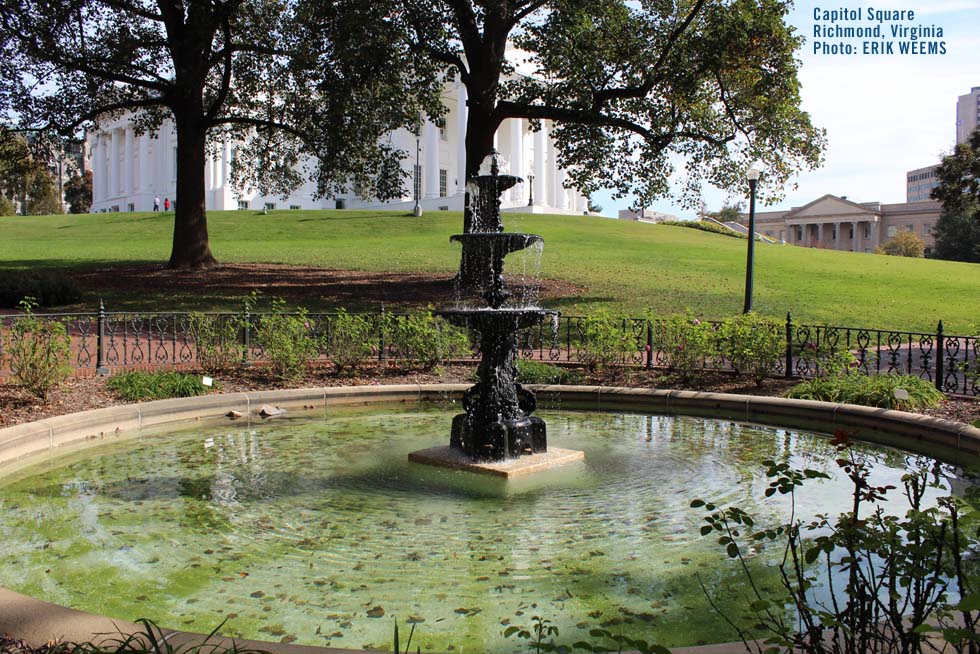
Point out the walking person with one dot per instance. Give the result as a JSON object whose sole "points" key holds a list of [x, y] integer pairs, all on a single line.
{"points": [[166, 204], [156, 203]]}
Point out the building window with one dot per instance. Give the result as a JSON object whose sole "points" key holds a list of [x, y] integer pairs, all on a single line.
{"points": [[242, 205], [867, 231], [295, 207], [131, 207], [443, 133], [850, 232], [443, 183], [892, 230], [270, 206]]}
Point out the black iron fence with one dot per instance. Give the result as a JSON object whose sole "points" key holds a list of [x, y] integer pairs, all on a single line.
{"points": [[106, 340]]}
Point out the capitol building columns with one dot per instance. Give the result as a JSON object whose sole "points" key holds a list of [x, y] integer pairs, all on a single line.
{"points": [[129, 169]]}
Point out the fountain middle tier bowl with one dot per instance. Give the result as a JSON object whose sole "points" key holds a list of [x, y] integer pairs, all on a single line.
{"points": [[499, 244], [505, 319]]}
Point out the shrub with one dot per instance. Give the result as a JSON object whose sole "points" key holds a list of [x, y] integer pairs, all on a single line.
{"points": [[425, 338], [45, 288], [39, 351], [704, 226], [903, 244], [288, 341], [752, 344], [895, 579], [350, 340], [870, 390], [536, 372], [140, 386], [217, 340], [604, 342], [686, 343]]}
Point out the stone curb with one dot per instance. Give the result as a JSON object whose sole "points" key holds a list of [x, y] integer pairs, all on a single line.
{"points": [[39, 622]]}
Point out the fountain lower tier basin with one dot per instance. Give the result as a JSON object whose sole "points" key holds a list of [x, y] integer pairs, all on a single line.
{"points": [[495, 244], [314, 527], [496, 320]]}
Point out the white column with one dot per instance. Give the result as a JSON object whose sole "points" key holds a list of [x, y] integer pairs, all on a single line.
{"points": [[94, 152], [145, 163], [517, 158], [430, 151], [114, 141], [551, 173], [127, 159], [461, 114], [561, 194], [540, 141]]}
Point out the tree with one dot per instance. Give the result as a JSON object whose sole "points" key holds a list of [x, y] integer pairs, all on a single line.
{"points": [[957, 235], [903, 244], [729, 213], [631, 85], [959, 178], [24, 176], [78, 193], [290, 82]]}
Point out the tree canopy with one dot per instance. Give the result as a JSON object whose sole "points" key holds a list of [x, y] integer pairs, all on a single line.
{"points": [[290, 80], [959, 177], [636, 90]]}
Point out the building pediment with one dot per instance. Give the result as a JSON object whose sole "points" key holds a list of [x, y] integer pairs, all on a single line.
{"points": [[830, 208]]}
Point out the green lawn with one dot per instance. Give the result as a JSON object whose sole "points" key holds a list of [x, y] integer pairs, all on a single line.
{"points": [[624, 266]]}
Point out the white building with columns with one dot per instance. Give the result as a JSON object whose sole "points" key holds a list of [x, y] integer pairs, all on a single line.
{"points": [[130, 170]]}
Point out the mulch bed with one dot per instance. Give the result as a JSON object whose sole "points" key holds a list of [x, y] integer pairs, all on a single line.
{"points": [[18, 406], [298, 285]]}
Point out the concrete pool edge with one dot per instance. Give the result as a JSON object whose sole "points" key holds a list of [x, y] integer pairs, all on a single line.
{"points": [[38, 622]]}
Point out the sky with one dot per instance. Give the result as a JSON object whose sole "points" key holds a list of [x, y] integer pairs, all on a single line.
{"points": [[884, 114]]}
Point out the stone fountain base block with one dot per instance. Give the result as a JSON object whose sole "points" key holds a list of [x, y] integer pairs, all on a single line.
{"points": [[445, 456]]}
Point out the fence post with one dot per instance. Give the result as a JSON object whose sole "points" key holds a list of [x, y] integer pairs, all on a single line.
{"points": [[939, 356], [789, 346], [100, 368], [381, 335], [246, 331], [649, 344]]}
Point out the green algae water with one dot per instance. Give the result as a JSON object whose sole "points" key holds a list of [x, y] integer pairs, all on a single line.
{"points": [[317, 530]]}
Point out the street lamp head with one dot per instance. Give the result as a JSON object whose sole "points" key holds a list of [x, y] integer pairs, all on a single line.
{"points": [[753, 173]]}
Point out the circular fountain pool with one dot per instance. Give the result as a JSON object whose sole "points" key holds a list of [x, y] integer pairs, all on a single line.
{"points": [[317, 529]]}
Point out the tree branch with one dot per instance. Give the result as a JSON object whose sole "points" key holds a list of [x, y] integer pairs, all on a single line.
{"points": [[257, 123], [111, 108], [601, 97], [219, 100], [520, 15], [125, 5], [728, 108]]}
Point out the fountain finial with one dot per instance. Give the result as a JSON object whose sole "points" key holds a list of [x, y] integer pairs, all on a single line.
{"points": [[494, 163]]}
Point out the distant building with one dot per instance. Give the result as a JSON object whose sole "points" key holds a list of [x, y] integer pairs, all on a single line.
{"points": [[967, 114], [646, 215], [130, 169], [919, 183], [836, 223]]}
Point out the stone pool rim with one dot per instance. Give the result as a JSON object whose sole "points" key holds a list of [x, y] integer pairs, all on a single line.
{"points": [[38, 622]]}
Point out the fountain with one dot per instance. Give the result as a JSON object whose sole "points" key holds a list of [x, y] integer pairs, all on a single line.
{"points": [[497, 425]]}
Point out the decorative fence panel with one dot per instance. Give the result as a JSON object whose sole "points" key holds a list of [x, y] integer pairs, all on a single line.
{"points": [[110, 340]]}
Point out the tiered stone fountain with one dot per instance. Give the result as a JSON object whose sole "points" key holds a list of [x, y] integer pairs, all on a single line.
{"points": [[497, 430]]}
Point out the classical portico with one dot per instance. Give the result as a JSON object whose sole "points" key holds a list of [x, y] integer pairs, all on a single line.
{"points": [[129, 170]]}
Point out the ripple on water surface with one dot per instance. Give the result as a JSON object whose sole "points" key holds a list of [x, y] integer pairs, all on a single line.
{"points": [[318, 529]]}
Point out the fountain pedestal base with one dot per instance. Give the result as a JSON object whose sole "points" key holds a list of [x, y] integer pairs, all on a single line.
{"points": [[445, 456], [500, 439]]}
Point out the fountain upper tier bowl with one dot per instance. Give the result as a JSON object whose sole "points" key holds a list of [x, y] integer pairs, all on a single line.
{"points": [[498, 244], [496, 320]]}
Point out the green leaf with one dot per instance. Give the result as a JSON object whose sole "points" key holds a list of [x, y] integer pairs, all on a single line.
{"points": [[510, 631], [969, 603], [760, 605], [811, 554], [732, 550]]}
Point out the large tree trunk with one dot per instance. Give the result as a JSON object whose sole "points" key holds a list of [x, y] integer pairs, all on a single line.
{"points": [[480, 128], [190, 247]]}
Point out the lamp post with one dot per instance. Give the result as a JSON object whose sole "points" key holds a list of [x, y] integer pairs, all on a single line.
{"points": [[530, 190], [753, 175], [418, 177]]}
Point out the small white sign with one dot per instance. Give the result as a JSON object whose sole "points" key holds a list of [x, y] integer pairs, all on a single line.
{"points": [[207, 381], [901, 394], [208, 443]]}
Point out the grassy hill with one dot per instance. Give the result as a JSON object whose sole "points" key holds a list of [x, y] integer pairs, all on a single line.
{"points": [[624, 266]]}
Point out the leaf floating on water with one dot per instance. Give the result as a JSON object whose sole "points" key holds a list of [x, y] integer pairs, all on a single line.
{"points": [[288, 638], [415, 619], [257, 594], [376, 612]]}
